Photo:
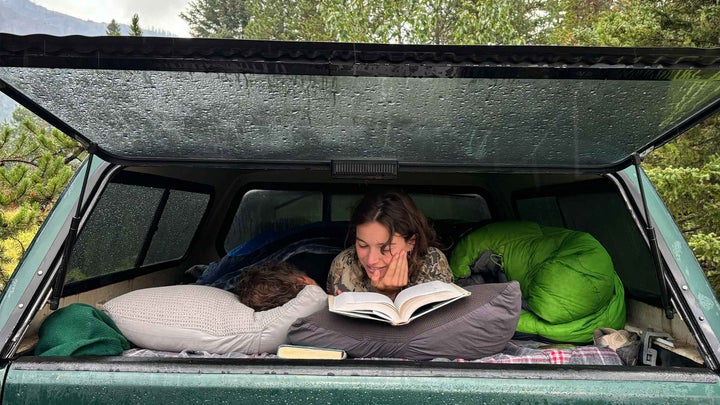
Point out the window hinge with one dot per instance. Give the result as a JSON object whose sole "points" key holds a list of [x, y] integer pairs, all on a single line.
{"points": [[654, 247], [59, 281]]}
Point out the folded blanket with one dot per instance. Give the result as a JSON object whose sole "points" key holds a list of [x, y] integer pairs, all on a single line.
{"points": [[515, 352], [530, 352], [80, 330]]}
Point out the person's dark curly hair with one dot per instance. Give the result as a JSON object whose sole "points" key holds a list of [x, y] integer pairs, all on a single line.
{"points": [[398, 213], [270, 285]]}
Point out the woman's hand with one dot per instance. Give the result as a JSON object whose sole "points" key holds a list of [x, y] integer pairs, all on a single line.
{"points": [[396, 276]]}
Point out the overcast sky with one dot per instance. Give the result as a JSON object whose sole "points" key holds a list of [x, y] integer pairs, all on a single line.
{"points": [[161, 14]]}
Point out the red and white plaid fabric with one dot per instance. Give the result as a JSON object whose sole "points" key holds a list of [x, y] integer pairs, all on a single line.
{"points": [[517, 352]]}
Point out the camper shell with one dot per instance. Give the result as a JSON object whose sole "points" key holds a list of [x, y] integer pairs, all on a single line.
{"points": [[197, 146]]}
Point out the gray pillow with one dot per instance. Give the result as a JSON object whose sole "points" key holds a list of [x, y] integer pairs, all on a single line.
{"points": [[470, 328], [202, 318]]}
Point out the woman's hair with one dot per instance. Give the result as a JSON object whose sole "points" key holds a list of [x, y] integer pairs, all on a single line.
{"points": [[269, 285], [399, 214]]}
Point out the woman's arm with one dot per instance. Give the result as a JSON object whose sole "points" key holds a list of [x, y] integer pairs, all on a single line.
{"points": [[341, 276]]}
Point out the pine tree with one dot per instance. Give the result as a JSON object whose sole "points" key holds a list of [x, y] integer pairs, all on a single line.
{"points": [[36, 162], [135, 30], [217, 18], [686, 171], [113, 29]]}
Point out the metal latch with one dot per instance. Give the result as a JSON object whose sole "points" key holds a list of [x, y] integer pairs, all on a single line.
{"points": [[649, 355]]}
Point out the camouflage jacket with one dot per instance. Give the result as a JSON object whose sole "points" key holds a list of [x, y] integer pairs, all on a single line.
{"points": [[346, 272]]}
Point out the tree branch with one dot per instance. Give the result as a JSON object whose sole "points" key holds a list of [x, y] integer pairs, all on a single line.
{"points": [[692, 230], [704, 142], [19, 242], [13, 160]]}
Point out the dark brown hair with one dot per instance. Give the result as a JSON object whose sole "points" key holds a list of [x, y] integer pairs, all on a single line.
{"points": [[269, 285], [398, 213]]}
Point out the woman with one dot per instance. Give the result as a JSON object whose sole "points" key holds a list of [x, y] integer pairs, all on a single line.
{"points": [[394, 248]]}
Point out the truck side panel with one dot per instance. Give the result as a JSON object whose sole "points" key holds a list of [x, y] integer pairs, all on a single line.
{"points": [[202, 382]]}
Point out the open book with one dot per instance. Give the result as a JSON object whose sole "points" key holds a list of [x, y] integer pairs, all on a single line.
{"points": [[409, 304]]}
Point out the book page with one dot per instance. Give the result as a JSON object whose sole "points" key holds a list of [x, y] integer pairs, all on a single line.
{"points": [[434, 292], [348, 298], [364, 305], [379, 307], [428, 288], [414, 311]]}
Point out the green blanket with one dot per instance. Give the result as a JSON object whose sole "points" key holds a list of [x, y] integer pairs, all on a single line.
{"points": [[567, 277], [80, 330]]}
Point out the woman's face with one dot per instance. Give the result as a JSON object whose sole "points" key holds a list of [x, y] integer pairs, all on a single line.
{"points": [[369, 241]]}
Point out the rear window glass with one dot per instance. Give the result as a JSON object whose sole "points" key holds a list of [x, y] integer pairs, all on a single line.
{"points": [[134, 226], [603, 214], [543, 210], [486, 121], [263, 211]]}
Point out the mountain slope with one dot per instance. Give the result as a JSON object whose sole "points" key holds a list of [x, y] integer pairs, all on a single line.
{"points": [[23, 17]]}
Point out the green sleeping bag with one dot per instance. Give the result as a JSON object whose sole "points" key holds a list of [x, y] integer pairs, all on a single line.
{"points": [[566, 277]]}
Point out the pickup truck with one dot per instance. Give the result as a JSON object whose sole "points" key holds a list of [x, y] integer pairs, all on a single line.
{"points": [[198, 146]]}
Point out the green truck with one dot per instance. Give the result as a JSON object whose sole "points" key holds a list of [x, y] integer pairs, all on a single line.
{"points": [[199, 146]]}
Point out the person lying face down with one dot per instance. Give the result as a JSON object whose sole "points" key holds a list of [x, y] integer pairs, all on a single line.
{"points": [[394, 247], [271, 285]]}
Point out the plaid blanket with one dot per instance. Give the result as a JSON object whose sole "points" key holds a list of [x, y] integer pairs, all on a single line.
{"points": [[515, 352], [518, 352], [191, 354]]}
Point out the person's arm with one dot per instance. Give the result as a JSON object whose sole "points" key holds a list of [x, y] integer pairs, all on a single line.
{"points": [[333, 277], [341, 274]]}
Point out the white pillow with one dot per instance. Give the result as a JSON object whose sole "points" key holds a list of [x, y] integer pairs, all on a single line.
{"points": [[203, 318]]}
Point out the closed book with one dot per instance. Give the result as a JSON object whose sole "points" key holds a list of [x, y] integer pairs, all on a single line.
{"points": [[309, 352]]}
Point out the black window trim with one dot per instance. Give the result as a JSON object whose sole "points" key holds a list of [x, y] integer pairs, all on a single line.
{"points": [[341, 188], [145, 180]]}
